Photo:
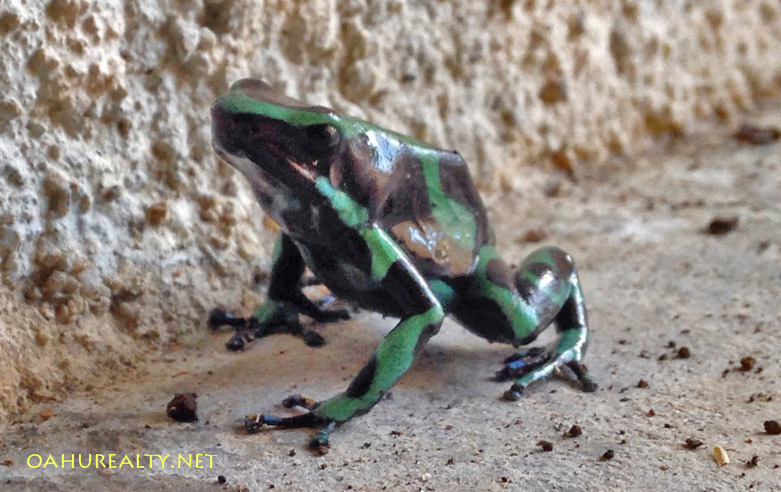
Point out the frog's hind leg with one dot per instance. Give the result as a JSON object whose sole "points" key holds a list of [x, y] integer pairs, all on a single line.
{"points": [[279, 314], [571, 322], [516, 309]]}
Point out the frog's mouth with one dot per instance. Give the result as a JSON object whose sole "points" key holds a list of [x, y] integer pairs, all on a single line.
{"points": [[254, 148]]}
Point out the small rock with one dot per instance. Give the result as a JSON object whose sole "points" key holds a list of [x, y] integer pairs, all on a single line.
{"points": [[183, 407], [41, 339], [720, 456], [772, 427]]}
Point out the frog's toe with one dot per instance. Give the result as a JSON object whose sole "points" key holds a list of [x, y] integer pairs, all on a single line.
{"points": [[520, 364], [586, 382], [254, 422], [331, 315], [241, 339], [219, 318], [514, 393], [320, 442], [298, 400], [313, 339], [525, 353]]}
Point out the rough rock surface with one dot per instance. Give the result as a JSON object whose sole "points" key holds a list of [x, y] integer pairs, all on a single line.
{"points": [[118, 227]]}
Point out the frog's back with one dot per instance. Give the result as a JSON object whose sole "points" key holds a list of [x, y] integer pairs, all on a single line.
{"points": [[431, 207]]}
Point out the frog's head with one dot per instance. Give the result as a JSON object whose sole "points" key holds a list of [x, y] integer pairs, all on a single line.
{"points": [[285, 138], [280, 144]]}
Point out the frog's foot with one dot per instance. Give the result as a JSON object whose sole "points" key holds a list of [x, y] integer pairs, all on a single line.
{"points": [[530, 369], [245, 332], [320, 441], [219, 317], [522, 362], [269, 319]]}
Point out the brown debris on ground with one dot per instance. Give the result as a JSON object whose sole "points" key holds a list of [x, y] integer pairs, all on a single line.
{"points": [[183, 407]]}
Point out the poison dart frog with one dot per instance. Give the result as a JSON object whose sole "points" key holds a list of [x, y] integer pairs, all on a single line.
{"points": [[395, 226]]}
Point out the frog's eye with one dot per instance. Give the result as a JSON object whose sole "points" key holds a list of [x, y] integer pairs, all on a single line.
{"points": [[323, 136]]}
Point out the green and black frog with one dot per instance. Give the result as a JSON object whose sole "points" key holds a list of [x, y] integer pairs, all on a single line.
{"points": [[392, 225]]}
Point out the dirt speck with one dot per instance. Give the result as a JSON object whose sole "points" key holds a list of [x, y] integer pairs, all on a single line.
{"points": [[321, 449], [157, 214], [756, 135], [747, 363], [534, 235], [546, 446], [722, 225], [607, 455], [692, 443], [574, 431]]}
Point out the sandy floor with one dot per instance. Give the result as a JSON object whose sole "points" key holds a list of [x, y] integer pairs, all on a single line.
{"points": [[655, 282]]}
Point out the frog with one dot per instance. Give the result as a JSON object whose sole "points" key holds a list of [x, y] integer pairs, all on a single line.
{"points": [[395, 226]]}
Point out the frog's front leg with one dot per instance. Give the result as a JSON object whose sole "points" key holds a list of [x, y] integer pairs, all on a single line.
{"points": [[515, 308], [407, 295], [279, 314]]}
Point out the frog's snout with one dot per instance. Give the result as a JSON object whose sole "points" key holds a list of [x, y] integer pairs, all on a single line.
{"points": [[221, 127]]}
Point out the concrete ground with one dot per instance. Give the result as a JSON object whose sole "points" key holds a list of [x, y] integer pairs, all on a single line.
{"points": [[656, 282]]}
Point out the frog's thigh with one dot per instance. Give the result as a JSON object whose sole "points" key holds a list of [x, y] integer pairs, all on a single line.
{"points": [[544, 289], [514, 309]]}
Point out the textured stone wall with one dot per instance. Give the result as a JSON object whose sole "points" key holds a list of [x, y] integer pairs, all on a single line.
{"points": [[118, 227]]}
